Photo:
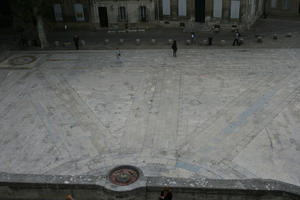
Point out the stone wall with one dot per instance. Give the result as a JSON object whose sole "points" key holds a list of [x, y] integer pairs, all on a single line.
{"points": [[47, 187]]}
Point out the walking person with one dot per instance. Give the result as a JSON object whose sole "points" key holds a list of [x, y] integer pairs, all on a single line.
{"points": [[193, 36], [237, 38], [118, 55], [174, 47], [76, 41]]}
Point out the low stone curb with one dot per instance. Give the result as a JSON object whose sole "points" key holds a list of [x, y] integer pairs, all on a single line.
{"points": [[85, 187]]}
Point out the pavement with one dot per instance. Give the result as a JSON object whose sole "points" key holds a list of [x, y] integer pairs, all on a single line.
{"points": [[215, 113]]}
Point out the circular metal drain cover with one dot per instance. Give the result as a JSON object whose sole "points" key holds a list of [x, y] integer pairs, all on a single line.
{"points": [[22, 60], [124, 175]]}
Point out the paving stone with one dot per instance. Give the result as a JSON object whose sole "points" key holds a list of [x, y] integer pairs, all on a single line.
{"points": [[218, 113]]}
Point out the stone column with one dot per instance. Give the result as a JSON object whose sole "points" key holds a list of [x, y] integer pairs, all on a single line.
{"points": [[226, 10], [191, 9], [94, 18], [174, 9], [209, 9], [244, 11]]}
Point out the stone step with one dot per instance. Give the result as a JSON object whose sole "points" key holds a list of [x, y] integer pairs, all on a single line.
{"points": [[196, 27]]}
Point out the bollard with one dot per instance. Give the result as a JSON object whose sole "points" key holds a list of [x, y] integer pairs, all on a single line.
{"points": [[289, 35], [153, 41], [241, 41], [138, 41], [259, 39], [56, 43], [29, 42], [67, 44]]}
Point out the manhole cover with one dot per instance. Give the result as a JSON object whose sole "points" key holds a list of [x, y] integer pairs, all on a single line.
{"points": [[124, 175], [22, 60]]}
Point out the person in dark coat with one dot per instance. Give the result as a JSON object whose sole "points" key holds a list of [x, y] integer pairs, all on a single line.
{"points": [[174, 47], [166, 194], [237, 38], [76, 41]]}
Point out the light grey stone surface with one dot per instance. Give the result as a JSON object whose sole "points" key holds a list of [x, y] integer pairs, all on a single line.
{"points": [[223, 114]]}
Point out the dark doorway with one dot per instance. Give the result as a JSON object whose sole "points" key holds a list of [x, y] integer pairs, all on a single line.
{"points": [[103, 16], [200, 10], [143, 13], [5, 14]]}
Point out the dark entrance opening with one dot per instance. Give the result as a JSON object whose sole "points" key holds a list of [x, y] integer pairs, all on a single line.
{"points": [[143, 13], [200, 10], [103, 16], [5, 14]]}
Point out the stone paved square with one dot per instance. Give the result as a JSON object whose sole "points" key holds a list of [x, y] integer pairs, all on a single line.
{"points": [[222, 113]]}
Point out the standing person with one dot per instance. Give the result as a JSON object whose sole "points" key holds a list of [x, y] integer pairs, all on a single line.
{"points": [[193, 35], [76, 41], [118, 55], [162, 196], [174, 47], [237, 38]]}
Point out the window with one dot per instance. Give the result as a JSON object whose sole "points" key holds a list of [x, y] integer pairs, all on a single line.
{"points": [[218, 8], [78, 10], [235, 9], [58, 12], [181, 7], [143, 13], [285, 4], [252, 7], [166, 7], [122, 13], [273, 3]]}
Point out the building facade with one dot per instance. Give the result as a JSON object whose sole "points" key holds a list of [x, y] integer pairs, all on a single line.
{"points": [[223, 12], [284, 8], [71, 11], [104, 13], [140, 13], [122, 13]]}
